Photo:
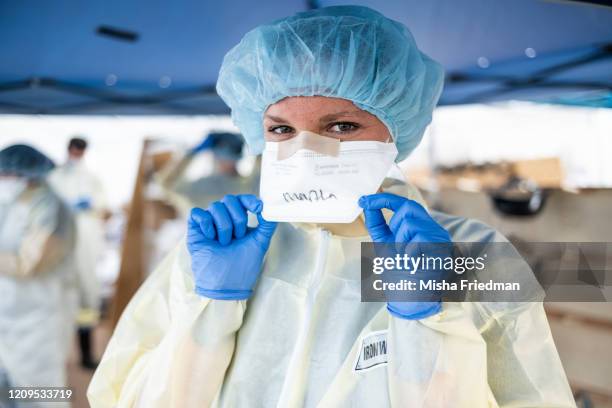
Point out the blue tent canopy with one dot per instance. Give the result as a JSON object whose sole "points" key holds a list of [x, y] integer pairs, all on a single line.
{"points": [[150, 57]]}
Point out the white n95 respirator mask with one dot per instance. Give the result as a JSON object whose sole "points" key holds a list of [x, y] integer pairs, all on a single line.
{"points": [[313, 178], [11, 188]]}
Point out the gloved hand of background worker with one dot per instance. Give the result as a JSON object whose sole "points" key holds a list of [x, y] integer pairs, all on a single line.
{"points": [[226, 254], [82, 204], [410, 224], [206, 144]]}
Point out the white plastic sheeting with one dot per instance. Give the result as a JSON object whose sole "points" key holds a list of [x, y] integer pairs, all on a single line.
{"points": [[580, 137]]}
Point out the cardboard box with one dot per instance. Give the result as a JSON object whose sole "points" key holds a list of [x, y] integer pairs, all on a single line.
{"points": [[547, 173]]}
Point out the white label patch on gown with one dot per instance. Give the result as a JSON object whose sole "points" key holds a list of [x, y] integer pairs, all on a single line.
{"points": [[373, 351]]}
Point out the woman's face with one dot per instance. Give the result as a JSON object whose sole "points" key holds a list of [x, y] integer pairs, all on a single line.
{"points": [[331, 117]]}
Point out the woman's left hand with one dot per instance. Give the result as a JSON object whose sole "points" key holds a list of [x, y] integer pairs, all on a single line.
{"points": [[410, 221], [410, 224]]}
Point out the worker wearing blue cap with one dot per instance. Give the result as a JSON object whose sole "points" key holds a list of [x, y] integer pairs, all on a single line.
{"points": [[270, 315], [185, 193], [38, 283]]}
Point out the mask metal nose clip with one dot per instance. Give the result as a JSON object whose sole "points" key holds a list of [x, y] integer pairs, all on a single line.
{"points": [[328, 146]]}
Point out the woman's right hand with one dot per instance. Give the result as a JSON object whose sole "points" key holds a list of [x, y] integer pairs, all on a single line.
{"points": [[227, 255]]}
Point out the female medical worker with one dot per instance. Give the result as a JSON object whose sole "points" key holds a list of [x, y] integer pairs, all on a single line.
{"points": [[216, 326], [38, 283]]}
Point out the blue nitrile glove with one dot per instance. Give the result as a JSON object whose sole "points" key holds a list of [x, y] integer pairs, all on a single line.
{"points": [[82, 204], [410, 224], [227, 255], [206, 144]]}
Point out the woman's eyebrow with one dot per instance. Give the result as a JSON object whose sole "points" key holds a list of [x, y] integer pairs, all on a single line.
{"points": [[276, 119], [333, 116]]}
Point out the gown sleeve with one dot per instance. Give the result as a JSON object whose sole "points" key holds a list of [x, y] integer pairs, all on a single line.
{"points": [[479, 354], [171, 347], [505, 357]]}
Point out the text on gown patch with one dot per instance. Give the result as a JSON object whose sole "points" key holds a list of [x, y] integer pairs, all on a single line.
{"points": [[373, 351]]}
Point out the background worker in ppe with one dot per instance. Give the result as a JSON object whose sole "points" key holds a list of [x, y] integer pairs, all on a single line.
{"points": [[37, 279], [184, 194], [215, 325], [83, 192]]}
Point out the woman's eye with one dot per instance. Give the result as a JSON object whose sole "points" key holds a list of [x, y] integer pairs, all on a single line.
{"points": [[343, 127], [280, 130]]}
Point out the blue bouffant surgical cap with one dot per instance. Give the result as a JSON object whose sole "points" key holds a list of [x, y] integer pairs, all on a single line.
{"points": [[347, 52], [24, 161]]}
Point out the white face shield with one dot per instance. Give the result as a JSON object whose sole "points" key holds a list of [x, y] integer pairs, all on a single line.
{"points": [[312, 178]]}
